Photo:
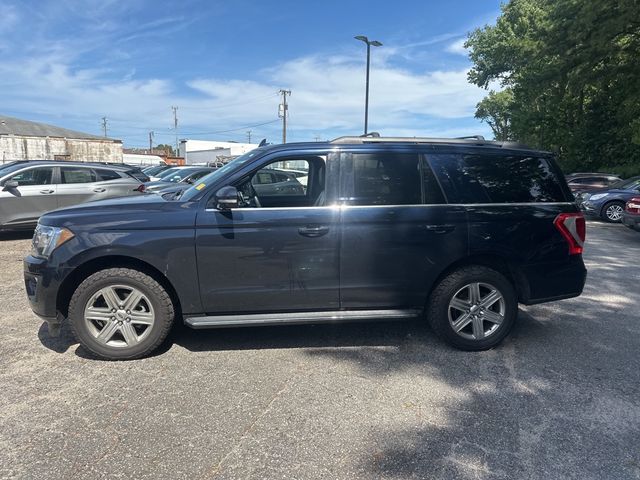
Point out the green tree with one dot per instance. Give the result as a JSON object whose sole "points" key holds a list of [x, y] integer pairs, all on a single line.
{"points": [[167, 148], [571, 80], [495, 109]]}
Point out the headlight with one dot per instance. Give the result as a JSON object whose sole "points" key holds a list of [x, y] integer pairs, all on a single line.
{"points": [[46, 239], [598, 196]]}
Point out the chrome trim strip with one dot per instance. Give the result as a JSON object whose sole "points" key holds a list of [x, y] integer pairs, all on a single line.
{"points": [[209, 321], [466, 205]]}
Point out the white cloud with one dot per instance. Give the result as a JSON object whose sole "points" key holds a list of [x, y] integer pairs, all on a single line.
{"points": [[327, 97], [457, 47]]}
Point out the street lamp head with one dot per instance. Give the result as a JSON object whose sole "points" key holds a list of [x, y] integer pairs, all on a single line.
{"points": [[375, 43], [362, 38]]}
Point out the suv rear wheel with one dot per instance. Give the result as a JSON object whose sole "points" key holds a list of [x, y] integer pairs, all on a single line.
{"points": [[473, 308], [120, 314]]}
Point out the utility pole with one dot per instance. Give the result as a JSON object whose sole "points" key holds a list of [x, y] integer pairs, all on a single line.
{"points": [[284, 112], [175, 126], [248, 136], [104, 126], [151, 142]]}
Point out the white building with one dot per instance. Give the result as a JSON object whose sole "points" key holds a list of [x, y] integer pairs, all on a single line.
{"points": [[204, 151], [25, 140], [142, 159]]}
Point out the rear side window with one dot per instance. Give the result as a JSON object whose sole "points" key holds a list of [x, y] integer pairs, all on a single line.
{"points": [[77, 175], [497, 178], [386, 178], [104, 175]]}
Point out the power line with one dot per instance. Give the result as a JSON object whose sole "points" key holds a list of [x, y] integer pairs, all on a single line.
{"points": [[235, 104], [231, 130]]}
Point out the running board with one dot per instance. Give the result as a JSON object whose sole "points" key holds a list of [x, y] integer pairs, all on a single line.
{"points": [[212, 321]]}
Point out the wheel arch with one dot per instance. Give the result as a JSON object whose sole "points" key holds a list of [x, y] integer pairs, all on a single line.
{"points": [[496, 262], [83, 271]]}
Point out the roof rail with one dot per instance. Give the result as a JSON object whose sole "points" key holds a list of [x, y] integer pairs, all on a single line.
{"points": [[377, 139], [471, 140]]}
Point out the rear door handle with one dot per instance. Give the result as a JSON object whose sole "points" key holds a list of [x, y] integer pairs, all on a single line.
{"points": [[99, 190], [440, 228], [315, 231], [47, 192]]}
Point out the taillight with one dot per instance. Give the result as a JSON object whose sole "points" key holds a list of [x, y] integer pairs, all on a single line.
{"points": [[141, 188], [633, 205], [574, 230]]}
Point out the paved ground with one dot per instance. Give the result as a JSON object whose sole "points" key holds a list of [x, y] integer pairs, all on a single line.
{"points": [[559, 399]]}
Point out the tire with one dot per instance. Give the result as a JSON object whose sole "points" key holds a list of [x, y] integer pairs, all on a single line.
{"points": [[482, 324], [124, 326], [612, 211]]}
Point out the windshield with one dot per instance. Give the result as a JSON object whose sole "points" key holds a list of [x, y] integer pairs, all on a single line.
{"points": [[169, 171], [151, 171], [213, 177], [623, 184], [179, 175], [8, 168]]}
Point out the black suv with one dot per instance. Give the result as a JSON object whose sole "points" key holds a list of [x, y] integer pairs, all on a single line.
{"points": [[457, 230]]}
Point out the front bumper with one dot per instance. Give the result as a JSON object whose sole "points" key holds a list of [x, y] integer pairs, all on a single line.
{"points": [[631, 220], [42, 283], [589, 208]]}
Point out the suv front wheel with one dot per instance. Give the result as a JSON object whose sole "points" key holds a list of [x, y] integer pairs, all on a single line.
{"points": [[473, 308], [120, 314]]}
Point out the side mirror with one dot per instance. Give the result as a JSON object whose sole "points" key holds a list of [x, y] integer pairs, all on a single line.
{"points": [[227, 198], [10, 184]]}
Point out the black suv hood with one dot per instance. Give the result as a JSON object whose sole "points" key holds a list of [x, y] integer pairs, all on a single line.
{"points": [[140, 211]]}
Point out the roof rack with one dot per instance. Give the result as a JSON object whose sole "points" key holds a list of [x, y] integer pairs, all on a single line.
{"points": [[375, 137]]}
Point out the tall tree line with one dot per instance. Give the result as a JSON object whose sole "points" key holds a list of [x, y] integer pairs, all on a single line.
{"points": [[564, 75]]}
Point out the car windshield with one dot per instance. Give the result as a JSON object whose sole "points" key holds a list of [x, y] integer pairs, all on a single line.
{"points": [[179, 175], [624, 184], [151, 171], [11, 167], [213, 177], [169, 171]]}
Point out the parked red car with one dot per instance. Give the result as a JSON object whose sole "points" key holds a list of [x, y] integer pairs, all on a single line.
{"points": [[631, 214]]}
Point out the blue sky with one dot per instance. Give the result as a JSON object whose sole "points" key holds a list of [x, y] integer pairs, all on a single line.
{"points": [[69, 63]]}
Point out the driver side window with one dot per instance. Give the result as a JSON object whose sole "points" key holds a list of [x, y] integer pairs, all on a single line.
{"points": [[289, 182]]}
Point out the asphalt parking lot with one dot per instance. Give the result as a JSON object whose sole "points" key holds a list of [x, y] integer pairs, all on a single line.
{"points": [[559, 399]]}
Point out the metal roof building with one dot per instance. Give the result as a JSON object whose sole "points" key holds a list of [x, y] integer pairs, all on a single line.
{"points": [[26, 140]]}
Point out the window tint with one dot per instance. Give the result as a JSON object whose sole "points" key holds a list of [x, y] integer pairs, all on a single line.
{"points": [[34, 176], [278, 179], [104, 175], [296, 182], [77, 175], [497, 178], [386, 179]]}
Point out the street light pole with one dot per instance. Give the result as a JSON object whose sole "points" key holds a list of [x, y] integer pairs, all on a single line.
{"points": [[369, 43]]}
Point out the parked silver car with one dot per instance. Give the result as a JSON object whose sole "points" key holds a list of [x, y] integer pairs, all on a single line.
{"points": [[29, 189]]}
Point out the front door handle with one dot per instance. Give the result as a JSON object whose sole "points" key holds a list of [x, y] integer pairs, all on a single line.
{"points": [[440, 228], [99, 190], [313, 231], [47, 192]]}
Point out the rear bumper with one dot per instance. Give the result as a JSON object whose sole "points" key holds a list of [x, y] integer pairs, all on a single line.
{"points": [[547, 282]]}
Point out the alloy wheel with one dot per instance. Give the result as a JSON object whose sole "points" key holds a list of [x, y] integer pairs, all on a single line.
{"points": [[614, 212], [119, 316], [476, 311]]}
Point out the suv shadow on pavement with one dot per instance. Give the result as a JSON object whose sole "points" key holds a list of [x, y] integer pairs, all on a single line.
{"points": [[314, 338]]}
